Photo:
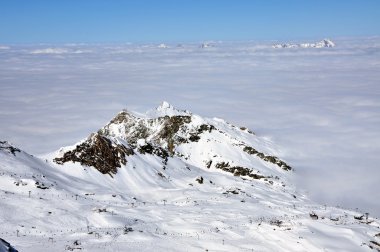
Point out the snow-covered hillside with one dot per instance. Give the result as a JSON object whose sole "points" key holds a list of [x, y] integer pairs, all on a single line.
{"points": [[168, 180]]}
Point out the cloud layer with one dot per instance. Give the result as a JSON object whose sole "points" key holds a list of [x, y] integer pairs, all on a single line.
{"points": [[321, 106]]}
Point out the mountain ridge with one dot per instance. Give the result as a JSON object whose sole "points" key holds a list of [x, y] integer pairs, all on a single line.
{"points": [[164, 132]]}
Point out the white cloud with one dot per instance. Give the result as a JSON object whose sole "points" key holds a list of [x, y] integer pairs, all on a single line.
{"points": [[50, 51], [57, 51], [320, 106]]}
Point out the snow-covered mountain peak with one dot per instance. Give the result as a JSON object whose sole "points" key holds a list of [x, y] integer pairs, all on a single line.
{"points": [[166, 109], [164, 105], [168, 134], [325, 43]]}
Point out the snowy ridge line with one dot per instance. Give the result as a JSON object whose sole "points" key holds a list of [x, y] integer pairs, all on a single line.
{"points": [[167, 132]]}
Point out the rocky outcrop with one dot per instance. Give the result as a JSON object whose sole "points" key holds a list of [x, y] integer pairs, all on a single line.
{"points": [[238, 170], [167, 132], [7, 147], [171, 125], [154, 150], [99, 152], [272, 159]]}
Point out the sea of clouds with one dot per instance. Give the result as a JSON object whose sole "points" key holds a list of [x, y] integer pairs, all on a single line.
{"points": [[320, 106]]}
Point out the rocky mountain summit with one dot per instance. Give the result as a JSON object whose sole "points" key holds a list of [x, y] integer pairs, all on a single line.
{"points": [[167, 132]]}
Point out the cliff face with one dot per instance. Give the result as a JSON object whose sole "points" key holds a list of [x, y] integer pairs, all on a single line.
{"points": [[99, 152]]}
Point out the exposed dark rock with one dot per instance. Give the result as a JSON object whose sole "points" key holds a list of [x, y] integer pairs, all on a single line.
{"points": [[101, 210], [275, 222], [250, 150], [181, 140], [272, 159], [314, 216], [134, 128], [206, 127], [246, 129], [120, 118], [194, 138], [154, 150], [161, 175], [100, 152], [127, 230], [222, 165], [4, 145], [208, 164], [232, 191], [41, 185], [359, 217], [199, 180], [238, 170], [256, 176], [20, 182], [376, 243], [172, 125], [140, 132], [251, 132]]}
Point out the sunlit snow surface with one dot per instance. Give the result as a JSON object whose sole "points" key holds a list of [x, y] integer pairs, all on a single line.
{"points": [[145, 207], [320, 106]]}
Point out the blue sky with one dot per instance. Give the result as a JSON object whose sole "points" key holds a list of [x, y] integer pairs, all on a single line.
{"points": [[100, 21]]}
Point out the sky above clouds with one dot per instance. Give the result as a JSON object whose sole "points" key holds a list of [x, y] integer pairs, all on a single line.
{"points": [[99, 21]]}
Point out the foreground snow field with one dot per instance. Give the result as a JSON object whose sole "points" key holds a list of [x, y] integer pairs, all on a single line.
{"points": [[168, 180]]}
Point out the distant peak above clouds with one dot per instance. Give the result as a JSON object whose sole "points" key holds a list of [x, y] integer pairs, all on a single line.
{"points": [[321, 44], [164, 105], [206, 45], [166, 109], [162, 46]]}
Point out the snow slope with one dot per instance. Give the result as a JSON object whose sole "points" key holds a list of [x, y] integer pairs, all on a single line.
{"points": [[145, 182]]}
